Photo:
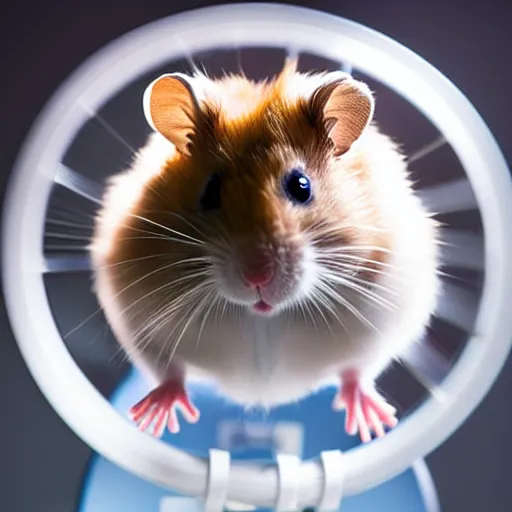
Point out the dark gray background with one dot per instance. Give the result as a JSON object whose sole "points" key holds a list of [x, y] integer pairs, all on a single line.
{"points": [[43, 42]]}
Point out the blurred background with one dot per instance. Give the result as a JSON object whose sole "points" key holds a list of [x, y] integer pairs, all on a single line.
{"points": [[42, 43]]}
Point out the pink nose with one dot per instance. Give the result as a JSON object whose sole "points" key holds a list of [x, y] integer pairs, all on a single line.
{"points": [[258, 276]]}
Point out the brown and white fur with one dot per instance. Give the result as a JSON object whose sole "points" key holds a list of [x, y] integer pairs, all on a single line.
{"points": [[354, 270]]}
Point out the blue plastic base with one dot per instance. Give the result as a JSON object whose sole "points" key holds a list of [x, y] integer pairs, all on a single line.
{"points": [[306, 429]]}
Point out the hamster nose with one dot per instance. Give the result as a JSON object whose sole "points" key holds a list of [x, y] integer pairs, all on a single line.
{"points": [[258, 274]]}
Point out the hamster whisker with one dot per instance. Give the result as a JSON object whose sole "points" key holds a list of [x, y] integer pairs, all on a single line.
{"points": [[365, 227], [183, 219], [204, 259], [157, 236], [145, 231], [162, 287], [145, 334], [214, 299], [163, 238], [157, 320], [383, 265], [345, 303], [322, 234], [308, 315], [223, 310], [307, 312], [170, 288], [168, 312], [222, 243], [334, 267], [182, 319], [338, 313], [349, 248], [98, 310], [167, 228], [126, 353], [335, 264], [81, 324], [354, 268], [372, 296], [165, 311], [133, 260], [362, 285], [67, 224], [315, 297], [192, 317], [355, 257], [347, 282], [326, 303], [302, 310], [148, 237], [219, 306]]}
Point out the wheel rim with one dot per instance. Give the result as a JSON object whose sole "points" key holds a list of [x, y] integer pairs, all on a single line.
{"points": [[58, 376]]}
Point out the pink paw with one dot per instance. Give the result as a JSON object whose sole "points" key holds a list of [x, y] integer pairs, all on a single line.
{"points": [[365, 411], [159, 406]]}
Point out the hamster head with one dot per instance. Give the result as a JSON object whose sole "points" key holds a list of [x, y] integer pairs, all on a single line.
{"points": [[258, 188]]}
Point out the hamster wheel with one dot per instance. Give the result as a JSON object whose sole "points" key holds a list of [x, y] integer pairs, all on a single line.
{"points": [[39, 169]]}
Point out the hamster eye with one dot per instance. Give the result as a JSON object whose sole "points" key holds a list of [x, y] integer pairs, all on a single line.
{"points": [[210, 200], [298, 187]]}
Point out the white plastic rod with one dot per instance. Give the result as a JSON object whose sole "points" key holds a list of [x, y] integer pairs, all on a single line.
{"points": [[218, 481], [427, 149], [462, 249], [427, 365], [292, 53], [78, 184], [458, 306], [334, 473], [449, 197], [61, 264], [288, 467], [346, 67]]}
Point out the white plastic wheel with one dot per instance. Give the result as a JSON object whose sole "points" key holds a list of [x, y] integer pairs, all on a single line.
{"points": [[264, 25]]}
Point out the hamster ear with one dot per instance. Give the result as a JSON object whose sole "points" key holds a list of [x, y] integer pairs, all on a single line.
{"points": [[171, 108], [346, 107]]}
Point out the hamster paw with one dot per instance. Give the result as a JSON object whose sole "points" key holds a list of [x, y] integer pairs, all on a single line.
{"points": [[160, 405], [365, 410]]}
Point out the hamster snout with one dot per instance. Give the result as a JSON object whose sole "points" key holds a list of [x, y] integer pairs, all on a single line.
{"points": [[259, 268], [267, 277]]}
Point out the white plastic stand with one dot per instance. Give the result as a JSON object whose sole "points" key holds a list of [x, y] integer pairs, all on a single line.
{"points": [[288, 467], [334, 479], [218, 480]]}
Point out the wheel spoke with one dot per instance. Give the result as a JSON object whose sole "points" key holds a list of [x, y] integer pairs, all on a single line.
{"points": [[427, 149], [79, 184], [449, 197], [427, 366], [109, 129], [346, 67], [60, 264], [462, 249], [292, 53], [458, 306]]}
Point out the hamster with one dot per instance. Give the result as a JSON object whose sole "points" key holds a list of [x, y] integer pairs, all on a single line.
{"points": [[266, 239]]}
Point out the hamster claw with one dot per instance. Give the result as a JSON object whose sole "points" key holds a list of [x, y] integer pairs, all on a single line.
{"points": [[365, 411], [159, 407]]}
